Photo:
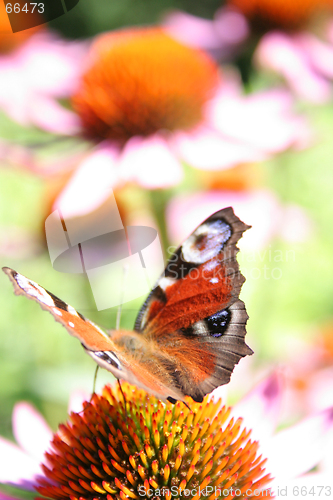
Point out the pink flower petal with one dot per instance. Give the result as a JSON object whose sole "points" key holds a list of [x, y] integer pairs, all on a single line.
{"points": [[220, 36], [261, 407], [44, 67], [207, 149], [257, 208], [150, 162], [263, 121], [192, 30], [320, 54], [91, 184], [231, 26], [298, 449], [51, 65], [16, 467], [31, 430], [49, 115], [282, 53]]}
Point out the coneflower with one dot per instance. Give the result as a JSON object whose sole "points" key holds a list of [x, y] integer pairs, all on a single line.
{"points": [[152, 449]]}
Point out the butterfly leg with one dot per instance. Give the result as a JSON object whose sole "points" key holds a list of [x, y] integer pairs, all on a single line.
{"points": [[174, 401], [95, 380]]}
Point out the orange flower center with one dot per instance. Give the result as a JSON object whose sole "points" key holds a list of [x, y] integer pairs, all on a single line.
{"points": [[142, 81], [285, 14], [155, 451]]}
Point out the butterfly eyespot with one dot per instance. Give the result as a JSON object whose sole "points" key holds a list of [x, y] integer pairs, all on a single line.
{"points": [[218, 323], [206, 242]]}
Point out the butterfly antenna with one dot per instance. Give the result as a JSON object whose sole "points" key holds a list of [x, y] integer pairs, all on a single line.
{"points": [[122, 293], [124, 397]]}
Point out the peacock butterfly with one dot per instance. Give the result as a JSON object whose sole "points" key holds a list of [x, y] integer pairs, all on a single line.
{"points": [[189, 333]]}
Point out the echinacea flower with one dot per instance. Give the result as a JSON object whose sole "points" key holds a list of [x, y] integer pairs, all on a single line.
{"points": [[112, 452], [303, 59], [151, 449], [269, 14], [151, 102]]}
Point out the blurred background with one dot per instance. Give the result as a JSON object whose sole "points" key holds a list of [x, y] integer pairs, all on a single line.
{"points": [[231, 105]]}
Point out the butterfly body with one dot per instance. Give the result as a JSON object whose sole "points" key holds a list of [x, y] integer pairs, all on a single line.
{"points": [[189, 333]]}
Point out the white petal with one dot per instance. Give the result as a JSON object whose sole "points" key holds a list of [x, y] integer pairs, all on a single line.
{"points": [[150, 162], [16, 467], [300, 448], [91, 184], [31, 430], [261, 407]]}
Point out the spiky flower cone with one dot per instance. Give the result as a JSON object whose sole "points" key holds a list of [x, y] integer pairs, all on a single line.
{"points": [[151, 450]]}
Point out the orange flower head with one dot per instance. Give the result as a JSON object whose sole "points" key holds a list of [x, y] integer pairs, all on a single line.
{"points": [[141, 81], [152, 450], [283, 14]]}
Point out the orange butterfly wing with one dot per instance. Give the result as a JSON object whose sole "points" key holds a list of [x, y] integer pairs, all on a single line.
{"points": [[194, 316]]}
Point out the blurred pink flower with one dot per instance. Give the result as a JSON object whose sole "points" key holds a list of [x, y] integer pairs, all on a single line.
{"points": [[294, 451], [309, 375], [259, 208], [20, 464], [222, 37], [33, 76], [235, 128], [304, 60]]}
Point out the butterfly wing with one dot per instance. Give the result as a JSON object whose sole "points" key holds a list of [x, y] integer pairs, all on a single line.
{"points": [[190, 331], [194, 316], [114, 357], [89, 334]]}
